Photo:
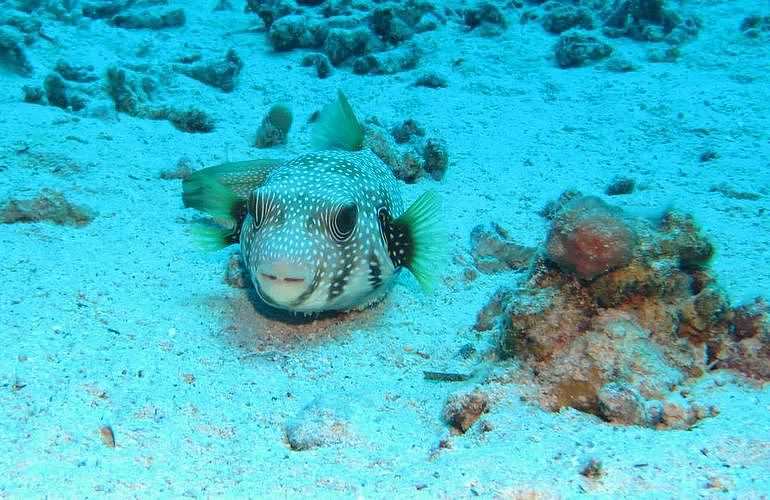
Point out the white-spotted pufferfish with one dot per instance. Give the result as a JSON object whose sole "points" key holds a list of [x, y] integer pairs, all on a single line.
{"points": [[324, 231]]}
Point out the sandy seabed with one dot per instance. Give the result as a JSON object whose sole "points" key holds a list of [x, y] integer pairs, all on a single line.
{"points": [[124, 323]]}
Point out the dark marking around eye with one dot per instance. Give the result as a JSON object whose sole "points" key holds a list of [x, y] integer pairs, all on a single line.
{"points": [[238, 213], [398, 239]]}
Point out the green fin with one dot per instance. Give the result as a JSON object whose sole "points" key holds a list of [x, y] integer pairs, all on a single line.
{"points": [[338, 127], [221, 191], [427, 236], [204, 191], [240, 177], [212, 237]]}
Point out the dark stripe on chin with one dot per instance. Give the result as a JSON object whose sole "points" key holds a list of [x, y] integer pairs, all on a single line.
{"points": [[375, 272], [338, 282], [312, 288]]}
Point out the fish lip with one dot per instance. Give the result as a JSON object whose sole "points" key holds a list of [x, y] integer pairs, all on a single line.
{"points": [[285, 279], [280, 291]]}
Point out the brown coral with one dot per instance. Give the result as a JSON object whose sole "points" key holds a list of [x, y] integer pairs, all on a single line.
{"points": [[645, 317], [589, 238]]}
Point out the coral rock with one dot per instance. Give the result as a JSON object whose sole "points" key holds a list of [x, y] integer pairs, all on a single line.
{"points": [[575, 49], [464, 409], [590, 238]]}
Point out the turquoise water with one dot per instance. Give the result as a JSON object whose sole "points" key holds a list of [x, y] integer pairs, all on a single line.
{"points": [[596, 324]]}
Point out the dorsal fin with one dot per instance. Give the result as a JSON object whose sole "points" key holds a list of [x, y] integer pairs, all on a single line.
{"points": [[337, 127]]}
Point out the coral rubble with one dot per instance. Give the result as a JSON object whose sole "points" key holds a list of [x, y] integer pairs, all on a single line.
{"points": [[619, 312], [407, 150], [49, 206], [274, 129]]}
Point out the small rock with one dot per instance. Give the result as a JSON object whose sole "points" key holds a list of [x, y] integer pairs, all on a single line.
{"points": [[223, 5], [48, 206], [649, 21], [103, 10], [493, 251], [12, 54], [621, 404], [386, 24], [620, 185], [127, 90], [565, 17], [25, 23], [322, 423], [463, 409], [589, 237], [593, 469], [150, 20], [431, 80], [725, 190], [182, 171], [341, 44], [296, 31], [191, 120], [487, 17], [388, 63], [436, 158], [275, 126], [80, 74], [221, 73], [321, 63], [55, 90], [34, 95], [406, 130], [236, 275], [270, 11], [754, 26], [576, 49]]}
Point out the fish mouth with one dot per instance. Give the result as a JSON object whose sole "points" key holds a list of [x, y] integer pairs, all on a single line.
{"points": [[286, 279], [282, 283]]}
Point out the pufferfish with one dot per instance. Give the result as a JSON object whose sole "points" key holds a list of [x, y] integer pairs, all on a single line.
{"points": [[326, 231]]}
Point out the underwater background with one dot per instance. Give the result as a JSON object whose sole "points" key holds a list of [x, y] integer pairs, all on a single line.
{"points": [[599, 326]]}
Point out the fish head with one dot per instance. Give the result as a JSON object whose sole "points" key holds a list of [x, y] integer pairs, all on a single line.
{"points": [[311, 248]]}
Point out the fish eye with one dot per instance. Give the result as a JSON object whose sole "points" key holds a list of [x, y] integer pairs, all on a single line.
{"points": [[344, 222]]}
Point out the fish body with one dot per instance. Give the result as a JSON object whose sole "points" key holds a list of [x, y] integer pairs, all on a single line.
{"points": [[324, 231]]}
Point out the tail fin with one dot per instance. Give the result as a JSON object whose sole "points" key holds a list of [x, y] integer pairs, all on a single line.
{"points": [[338, 127], [203, 191], [212, 237], [221, 191], [240, 177]]}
